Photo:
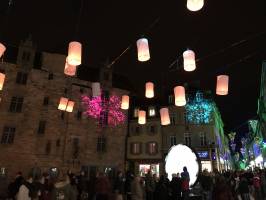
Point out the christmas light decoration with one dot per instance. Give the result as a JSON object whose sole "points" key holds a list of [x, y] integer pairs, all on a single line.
{"points": [[149, 92], [189, 60], [125, 102], [199, 110], [74, 53], [143, 50], [180, 96], [70, 106], [70, 70], [222, 85], [95, 106], [142, 117], [63, 103], [2, 80], [2, 49], [165, 119]]}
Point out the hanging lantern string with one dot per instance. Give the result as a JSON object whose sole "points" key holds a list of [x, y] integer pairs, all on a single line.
{"points": [[130, 45], [223, 50]]}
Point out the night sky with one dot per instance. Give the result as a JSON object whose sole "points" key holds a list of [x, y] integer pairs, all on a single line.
{"points": [[228, 37]]}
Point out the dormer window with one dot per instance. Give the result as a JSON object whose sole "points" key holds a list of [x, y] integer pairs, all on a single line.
{"points": [[152, 112]]}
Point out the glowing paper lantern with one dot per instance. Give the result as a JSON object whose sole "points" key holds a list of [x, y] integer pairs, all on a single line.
{"points": [[2, 80], [165, 119], [149, 92], [222, 85], [143, 50], [2, 49], [74, 53], [195, 5], [181, 156], [125, 102], [180, 96], [142, 117], [189, 60], [63, 103], [70, 106], [70, 70], [96, 89]]}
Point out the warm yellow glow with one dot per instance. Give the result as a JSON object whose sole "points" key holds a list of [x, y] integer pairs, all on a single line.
{"points": [[2, 80], [195, 5], [70, 106], [149, 92], [125, 102], [143, 50], [142, 117], [165, 118], [222, 85], [2, 49], [62, 103], [70, 70], [189, 60], [180, 96], [74, 53]]}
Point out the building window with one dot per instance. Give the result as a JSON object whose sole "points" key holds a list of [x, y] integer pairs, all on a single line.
{"points": [[173, 140], [172, 118], [75, 148], [48, 147], [22, 78], [136, 148], [50, 76], [58, 143], [171, 99], [136, 112], [152, 111], [45, 101], [8, 135], [101, 144], [16, 104], [187, 138], [152, 129], [203, 139], [79, 115], [41, 129], [152, 148]]}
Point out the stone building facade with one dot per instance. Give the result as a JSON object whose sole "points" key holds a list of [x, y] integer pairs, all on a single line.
{"points": [[35, 134]]}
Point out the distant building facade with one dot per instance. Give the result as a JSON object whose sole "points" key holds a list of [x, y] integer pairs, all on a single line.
{"points": [[35, 134]]}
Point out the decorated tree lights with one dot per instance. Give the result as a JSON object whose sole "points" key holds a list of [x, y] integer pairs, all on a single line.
{"points": [[195, 5], [143, 50], [189, 60]]}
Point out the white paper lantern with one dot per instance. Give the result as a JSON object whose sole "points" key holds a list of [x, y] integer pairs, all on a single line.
{"points": [[143, 50], [125, 102], [180, 96], [2, 49], [189, 60], [142, 117], [70, 70], [96, 89], [222, 85], [70, 106], [63, 103], [149, 92], [165, 118], [2, 80], [74, 53], [195, 5]]}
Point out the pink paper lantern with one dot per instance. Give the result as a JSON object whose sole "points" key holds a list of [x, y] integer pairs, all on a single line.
{"points": [[2, 80], [142, 117], [125, 102], [70, 70], [189, 60], [70, 106], [222, 85], [63, 103], [74, 53], [195, 5], [165, 118], [149, 92], [180, 96], [2, 49], [143, 50]]}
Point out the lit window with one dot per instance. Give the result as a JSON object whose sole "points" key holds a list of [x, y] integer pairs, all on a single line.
{"points": [[170, 99], [152, 111], [136, 112], [172, 140], [187, 139], [152, 148], [135, 148]]}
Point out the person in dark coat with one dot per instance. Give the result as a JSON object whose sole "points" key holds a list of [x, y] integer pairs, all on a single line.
{"points": [[221, 190], [102, 187], [149, 186], [119, 186], [175, 186], [82, 186], [13, 187], [161, 191]]}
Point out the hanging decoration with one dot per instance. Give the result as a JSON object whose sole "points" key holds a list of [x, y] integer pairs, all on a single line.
{"points": [[149, 92], [63, 103], [189, 60], [2, 80], [2, 49], [96, 89], [180, 96], [98, 106], [74, 53], [70, 106], [125, 102], [142, 117], [195, 5], [143, 50], [165, 119], [70, 70], [222, 85], [231, 136], [199, 110]]}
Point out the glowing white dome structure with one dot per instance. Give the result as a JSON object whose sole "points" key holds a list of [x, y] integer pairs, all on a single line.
{"points": [[180, 156]]}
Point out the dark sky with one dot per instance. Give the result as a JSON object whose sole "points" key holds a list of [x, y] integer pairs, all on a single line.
{"points": [[228, 36]]}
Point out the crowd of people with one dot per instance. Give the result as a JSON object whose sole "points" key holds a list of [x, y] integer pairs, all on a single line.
{"points": [[239, 185]]}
